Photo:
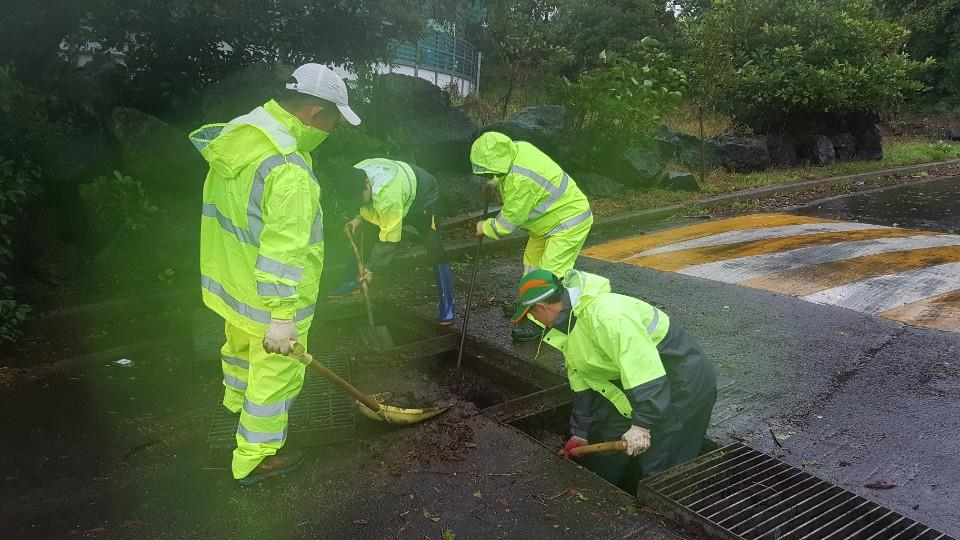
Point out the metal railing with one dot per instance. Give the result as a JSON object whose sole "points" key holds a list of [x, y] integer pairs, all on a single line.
{"points": [[442, 52]]}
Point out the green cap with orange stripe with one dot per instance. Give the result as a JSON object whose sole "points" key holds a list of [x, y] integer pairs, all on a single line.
{"points": [[536, 286]]}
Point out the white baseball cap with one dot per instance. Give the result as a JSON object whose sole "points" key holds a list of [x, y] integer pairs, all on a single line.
{"points": [[320, 81]]}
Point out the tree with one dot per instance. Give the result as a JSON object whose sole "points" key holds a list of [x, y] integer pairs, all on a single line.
{"points": [[793, 60], [934, 32], [521, 40], [589, 28]]}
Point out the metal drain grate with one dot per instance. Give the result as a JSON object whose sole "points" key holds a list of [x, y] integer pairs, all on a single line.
{"points": [[322, 414], [739, 492]]}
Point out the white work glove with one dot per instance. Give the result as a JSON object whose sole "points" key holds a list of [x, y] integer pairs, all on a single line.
{"points": [[638, 440], [279, 335]]}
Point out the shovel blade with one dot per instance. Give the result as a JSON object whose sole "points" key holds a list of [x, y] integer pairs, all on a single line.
{"points": [[398, 415], [377, 337]]}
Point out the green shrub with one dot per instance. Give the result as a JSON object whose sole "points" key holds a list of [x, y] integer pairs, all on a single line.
{"points": [[121, 199], [625, 99], [18, 184], [771, 63]]}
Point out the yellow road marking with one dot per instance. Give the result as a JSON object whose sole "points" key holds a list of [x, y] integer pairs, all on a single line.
{"points": [[678, 260], [618, 250], [940, 312], [812, 279]]}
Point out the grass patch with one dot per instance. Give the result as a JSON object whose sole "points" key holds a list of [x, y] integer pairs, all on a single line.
{"points": [[896, 153]]}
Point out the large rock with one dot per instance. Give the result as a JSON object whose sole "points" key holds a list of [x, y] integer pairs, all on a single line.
{"points": [[418, 116], [242, 91], [740, 154], [677, 146], [681, 181], [459, 194], [822, 151], [636, 167], [782, 149], [596, 185], [953, 130], [545, 127], [870, 143], [155, 153], [844, 145]]}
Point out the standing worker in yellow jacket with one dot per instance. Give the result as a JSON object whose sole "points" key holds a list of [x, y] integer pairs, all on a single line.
{"points": [[635, 375], [261, 255], [537, 196]]}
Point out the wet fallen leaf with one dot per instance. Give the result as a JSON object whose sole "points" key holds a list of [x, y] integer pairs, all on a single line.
{"points": [[477, 494], [427, 514], [360, 522], [880, 484], [470, 445]]}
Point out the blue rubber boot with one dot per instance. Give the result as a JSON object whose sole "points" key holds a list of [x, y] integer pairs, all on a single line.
{"points": [[447, 305], [348, 284]]}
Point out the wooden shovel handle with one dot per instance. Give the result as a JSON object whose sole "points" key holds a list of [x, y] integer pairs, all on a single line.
{"points": [[611, 446], [306, 358]]}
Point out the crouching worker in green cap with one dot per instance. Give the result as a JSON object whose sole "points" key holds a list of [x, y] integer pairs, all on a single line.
{"points": [[635, 376], [393, 194]]}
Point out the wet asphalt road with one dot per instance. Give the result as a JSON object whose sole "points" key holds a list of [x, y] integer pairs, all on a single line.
{"points": [[852, 398], [933, 206]]}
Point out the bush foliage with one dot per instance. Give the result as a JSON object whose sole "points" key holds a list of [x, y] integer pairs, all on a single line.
{"points": [[625, 99], [773, 62]]}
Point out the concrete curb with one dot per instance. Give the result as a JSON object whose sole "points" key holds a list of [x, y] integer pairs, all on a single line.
{"points": [[632, 220]]}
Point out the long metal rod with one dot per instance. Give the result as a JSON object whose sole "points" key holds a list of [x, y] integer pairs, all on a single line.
{"points": [[473, 282]]}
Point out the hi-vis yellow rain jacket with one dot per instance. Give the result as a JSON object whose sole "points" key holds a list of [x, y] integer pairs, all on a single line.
{"points": [[394, 187], [537, 194], [261, 236], [615, 338]]}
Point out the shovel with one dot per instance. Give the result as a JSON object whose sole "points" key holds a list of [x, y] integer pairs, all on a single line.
{"points": [[612, 446], [374, 336], [371, 406]]}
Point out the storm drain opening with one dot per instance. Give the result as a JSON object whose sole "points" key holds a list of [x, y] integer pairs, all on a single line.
{"points": [[739, 492], [322, 413]]}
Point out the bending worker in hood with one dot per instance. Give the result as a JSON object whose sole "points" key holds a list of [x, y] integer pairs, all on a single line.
{"points": [[261, 255], [393, 194], [634, 374], [537, 196]]}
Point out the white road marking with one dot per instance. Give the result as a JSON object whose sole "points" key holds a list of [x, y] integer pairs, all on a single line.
{"points": [[882, 293], [748, 235], [743, 268]]}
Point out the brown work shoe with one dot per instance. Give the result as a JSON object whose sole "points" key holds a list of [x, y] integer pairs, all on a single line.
{"points": [[276, 465]]}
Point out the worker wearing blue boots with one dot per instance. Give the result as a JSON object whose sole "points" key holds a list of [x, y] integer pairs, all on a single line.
{"points": [[393, 194]]}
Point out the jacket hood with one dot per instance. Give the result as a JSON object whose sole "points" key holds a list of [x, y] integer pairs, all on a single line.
{"points": [[493, 152], [583, 288], [231, 147]]}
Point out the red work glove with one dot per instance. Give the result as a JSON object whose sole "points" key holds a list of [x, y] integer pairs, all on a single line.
{"points": [[571, 444]]}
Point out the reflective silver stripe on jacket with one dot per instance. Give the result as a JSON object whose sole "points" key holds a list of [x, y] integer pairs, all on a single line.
{"points": [[233, 361], [545, 205], [275, 289], [261, 437], [234, 382], [279, 269], [266, 411], [555, 191], [506, 225], [540, 180], [248, 311], [570, 223], [251, 235], [652, 327]]}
